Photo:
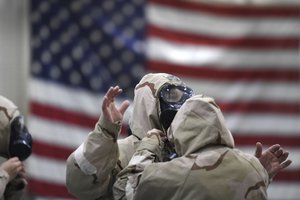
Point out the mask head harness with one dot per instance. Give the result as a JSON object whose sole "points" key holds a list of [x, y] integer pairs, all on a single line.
{"points": [[20, 143], [171, 98]]}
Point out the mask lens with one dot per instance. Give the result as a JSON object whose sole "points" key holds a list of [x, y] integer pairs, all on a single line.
{"points": [[171, 99], [172, 95], [175, 94]]}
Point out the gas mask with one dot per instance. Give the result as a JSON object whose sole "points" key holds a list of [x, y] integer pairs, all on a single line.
{"points": [[171, 98], [20, 143]]}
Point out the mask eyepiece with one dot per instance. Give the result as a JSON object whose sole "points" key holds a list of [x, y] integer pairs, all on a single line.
{"points": [[171, 98]]}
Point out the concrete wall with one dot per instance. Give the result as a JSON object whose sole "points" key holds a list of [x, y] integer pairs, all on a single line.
{"points": [[14, 51]]}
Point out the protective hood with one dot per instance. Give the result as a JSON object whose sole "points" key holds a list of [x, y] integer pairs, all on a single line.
{"points": [[199, 123], [146, 109], [8, 111]]}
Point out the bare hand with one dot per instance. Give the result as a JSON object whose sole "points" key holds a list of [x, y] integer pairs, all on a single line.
{"points": [[110, 112], [274, 159], [13, 167], [155, 133]]}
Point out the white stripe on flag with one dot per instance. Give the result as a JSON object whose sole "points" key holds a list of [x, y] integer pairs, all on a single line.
{"points": [[264, 123], [243, 90], [219, 25], [46, 169], [57, 133], [254, 2], [69, 99], [287, 191], [196, 55]]}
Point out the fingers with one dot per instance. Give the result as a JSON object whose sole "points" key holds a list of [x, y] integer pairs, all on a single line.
{"points": [[282, 155], [12, 163], [258, 150], [110, 95], [20, 167], [16, 165], [108, 102], [13, 166], [22, 174], [285, 164], [274, 148], [157, 133], [279, 152], [12, 160], [105, 109], [124, 106], [113, 92]]}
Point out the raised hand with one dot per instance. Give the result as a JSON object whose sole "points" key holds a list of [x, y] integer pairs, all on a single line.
{"points": [[110, 112], [274, 159], [13, 167]]}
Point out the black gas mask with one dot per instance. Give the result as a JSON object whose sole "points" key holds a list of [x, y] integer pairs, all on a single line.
{"points": [[171, 98], [20, 143]]}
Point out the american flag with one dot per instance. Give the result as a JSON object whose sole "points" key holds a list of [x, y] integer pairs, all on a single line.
{"points": [[245, 55]]}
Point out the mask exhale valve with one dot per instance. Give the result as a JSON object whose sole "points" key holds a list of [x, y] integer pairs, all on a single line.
{"points": [[20, 144]]}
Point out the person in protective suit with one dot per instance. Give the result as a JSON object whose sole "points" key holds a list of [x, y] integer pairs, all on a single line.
{"points": [[93, 166], [15, 147], [207, 167]]}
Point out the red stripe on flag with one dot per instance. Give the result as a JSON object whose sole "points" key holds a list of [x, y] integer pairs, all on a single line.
{"points": [[61, 115], [212, 72], [288, 175], [241, 139], [240, 11], [250, 139], [54, 151], [260, 107], [65, 116], [198, 39], [51, 150], [61, 153], [41, 188]]}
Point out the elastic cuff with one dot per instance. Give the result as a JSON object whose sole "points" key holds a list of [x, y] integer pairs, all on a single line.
{"points": [[84, 164], [4, 175], [108, 128]]}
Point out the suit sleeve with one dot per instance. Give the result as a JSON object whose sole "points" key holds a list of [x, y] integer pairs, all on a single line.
{"points": [[3, 181], [149, 151], [161, 181], [92, 166]]}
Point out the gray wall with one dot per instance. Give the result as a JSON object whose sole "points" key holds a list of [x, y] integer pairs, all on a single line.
{"points": [[14, 51]]}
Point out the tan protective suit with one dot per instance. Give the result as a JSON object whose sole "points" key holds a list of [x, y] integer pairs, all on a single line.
{"points": [[8, 111], [93, 166], [208, 167]]}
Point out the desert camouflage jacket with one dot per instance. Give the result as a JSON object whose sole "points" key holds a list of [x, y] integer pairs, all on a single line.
{"points": [[8, 111], [93, 166], [207, 167]]}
